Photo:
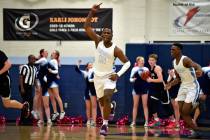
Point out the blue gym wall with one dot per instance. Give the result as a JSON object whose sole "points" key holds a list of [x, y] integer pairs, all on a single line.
{"points": [[72, 84], [72, 87]]}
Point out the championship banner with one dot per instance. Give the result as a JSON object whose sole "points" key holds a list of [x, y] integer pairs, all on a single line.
{"points": [[189, 17], [52, 24]]}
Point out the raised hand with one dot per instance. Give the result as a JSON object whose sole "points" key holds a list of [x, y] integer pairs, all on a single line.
{"points": [[95, 8], [79, 62]]}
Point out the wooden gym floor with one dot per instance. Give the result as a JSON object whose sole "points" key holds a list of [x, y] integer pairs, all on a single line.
{"points": [[13, 132]]}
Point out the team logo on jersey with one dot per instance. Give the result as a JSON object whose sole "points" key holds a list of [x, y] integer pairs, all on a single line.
{"points": [[26, 22]]}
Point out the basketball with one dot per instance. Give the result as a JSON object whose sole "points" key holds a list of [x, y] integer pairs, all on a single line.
{"points": [[145, 75]]}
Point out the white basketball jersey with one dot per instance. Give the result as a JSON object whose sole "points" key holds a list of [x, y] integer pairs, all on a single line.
{"points": [[187, 75], [104, 59]]}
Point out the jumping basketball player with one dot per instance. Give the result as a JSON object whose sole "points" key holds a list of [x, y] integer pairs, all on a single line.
{"points": [[105, 54]]}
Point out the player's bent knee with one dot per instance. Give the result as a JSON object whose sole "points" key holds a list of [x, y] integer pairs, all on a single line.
{"points": [[6, 103]]}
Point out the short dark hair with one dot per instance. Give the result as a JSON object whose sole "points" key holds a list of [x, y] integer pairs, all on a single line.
{"points": [[107, 28], [30, 56], [180, 46], [155, 56]]}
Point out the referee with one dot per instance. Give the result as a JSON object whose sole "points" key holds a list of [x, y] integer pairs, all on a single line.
{"points": [[27, 80]]}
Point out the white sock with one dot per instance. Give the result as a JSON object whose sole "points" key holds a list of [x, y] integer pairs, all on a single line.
{"points": [[173, 120], [105, 122], [112, 105], [156, 119]]}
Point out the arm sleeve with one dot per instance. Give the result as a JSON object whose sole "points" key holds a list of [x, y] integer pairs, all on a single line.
{"points": [[124, 68]]}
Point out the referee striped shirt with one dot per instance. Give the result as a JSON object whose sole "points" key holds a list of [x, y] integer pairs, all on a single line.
{"points": [[29, 73]]}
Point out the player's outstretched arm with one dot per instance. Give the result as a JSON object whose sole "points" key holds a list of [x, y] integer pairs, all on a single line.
{"points": [[88, 27]]}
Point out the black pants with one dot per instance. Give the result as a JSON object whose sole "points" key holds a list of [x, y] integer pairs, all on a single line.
{"points": [[160, 97], [157, 107], [27, 96]]}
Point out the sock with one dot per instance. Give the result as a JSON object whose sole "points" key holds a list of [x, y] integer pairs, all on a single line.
{"points": [[105, 122], [112, 105], [134, 122], [156, 119], [173, 120]]}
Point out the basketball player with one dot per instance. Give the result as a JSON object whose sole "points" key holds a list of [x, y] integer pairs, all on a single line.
{"points": [[186, 71], [157, 92], [105, 54], [52, 83], [5, 89], [140, 88]]}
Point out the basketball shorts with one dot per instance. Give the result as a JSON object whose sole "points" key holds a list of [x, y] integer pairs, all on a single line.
{"points": [[188, 93], [102, 83], [5, 88]]}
